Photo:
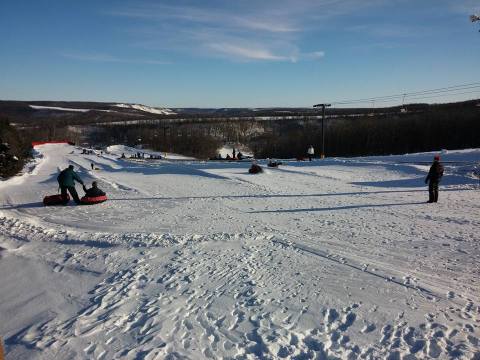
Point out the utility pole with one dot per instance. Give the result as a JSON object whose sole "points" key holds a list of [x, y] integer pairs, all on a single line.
{"points": [[323, 106]]}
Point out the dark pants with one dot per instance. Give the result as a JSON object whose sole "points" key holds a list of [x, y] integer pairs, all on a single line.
{"points": [[72, 191], [310, 157], [433, 191]]}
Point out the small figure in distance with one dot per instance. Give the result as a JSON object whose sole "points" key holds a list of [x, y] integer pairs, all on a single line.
{"points": [[233, 153], [433, 178], [274, 163], [66, 181], [310, 152], [94, 191], [239, 156], [255, 168], [92, 166]]}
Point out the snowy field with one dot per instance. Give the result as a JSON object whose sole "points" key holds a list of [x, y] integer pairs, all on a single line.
{"points": [[341, 258]]}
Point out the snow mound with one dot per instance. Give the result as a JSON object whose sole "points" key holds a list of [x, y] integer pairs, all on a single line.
{"points": [[149, 109]]}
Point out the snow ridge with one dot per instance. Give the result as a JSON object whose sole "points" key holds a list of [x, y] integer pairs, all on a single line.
{"points": [[149, 109]]}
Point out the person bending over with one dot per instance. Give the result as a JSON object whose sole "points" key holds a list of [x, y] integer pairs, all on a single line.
{"points": [[66, 181]]}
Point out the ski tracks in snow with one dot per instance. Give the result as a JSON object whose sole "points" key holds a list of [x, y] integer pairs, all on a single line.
{"points": [[233, 296]]}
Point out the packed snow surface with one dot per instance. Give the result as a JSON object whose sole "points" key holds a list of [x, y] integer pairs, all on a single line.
{"points": [[340, 258], [149, 109]]}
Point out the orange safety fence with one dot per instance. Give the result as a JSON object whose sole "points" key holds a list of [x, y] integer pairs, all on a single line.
{"points": [[2, 353], [37, 143]]}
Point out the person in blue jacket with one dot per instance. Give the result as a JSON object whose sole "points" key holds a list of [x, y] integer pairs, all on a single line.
{"points": [[66, 180]]}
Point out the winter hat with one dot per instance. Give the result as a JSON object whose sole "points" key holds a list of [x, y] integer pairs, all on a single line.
{"points": [[436, 157]]}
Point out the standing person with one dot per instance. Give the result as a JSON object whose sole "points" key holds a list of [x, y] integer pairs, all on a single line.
{"points": [[66, 180], [310, 152], [433, 178], [92, 166], [233, 152]]}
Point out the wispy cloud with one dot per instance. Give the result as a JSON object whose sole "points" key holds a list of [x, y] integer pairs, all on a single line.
{"points": [[245, 53], [466, 6], [212, 17], [107, 58], [392, 31], [248, 30]]}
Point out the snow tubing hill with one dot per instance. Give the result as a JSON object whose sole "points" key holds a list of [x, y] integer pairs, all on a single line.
{"points": [[87, 200], [55, 200]]}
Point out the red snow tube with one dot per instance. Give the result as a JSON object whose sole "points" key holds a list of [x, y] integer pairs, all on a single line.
{"points": [[91, 200], [56, 200]]}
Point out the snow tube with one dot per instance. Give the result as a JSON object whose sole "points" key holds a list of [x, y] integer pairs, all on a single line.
{"points": [[92, 200], [255, 169], [56, 200]]}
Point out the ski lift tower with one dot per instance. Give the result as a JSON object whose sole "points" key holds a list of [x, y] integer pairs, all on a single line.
{"points": [[323, 106]]}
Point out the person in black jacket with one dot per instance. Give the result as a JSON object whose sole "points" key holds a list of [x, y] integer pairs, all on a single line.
{"points": [[66, 181], [433, 178], [94, 191]]}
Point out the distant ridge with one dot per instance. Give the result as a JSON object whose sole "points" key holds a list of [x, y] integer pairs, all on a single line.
{"points": [[149, 109]]}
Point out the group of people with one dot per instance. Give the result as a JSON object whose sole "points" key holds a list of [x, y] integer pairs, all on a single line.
{"points": [[235, 156], [66, 181], [67, 177]]}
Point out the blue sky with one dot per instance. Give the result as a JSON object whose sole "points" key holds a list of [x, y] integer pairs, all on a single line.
{"points": [[242, 53]]}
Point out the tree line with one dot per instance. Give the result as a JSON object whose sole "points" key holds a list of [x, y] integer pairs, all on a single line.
{"points": [[434, 129], [347, 132]]}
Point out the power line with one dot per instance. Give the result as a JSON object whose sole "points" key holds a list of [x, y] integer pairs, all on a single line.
{"points": [[426, 97], [414, 94]]}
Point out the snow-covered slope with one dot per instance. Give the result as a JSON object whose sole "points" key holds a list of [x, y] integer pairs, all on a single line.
{"points": [[149, 109], [339, 258], [38, 107]]}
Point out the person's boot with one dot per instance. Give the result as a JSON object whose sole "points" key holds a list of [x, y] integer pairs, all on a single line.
{"points": [[430, 197]]}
